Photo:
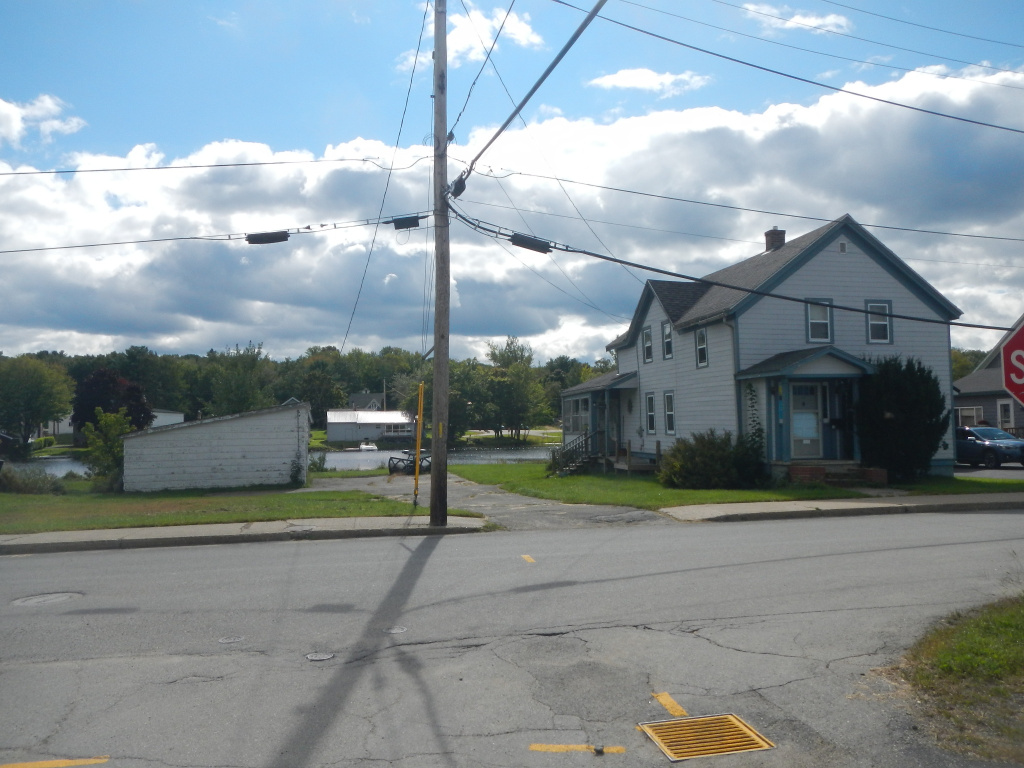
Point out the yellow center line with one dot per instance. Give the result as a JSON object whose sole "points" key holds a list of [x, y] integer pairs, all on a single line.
{"points": [[571, 748], [58, 763], [527, 558], [665, 700]]}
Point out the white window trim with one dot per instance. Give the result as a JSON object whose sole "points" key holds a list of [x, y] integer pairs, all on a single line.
{"points": [[647, 344], [698, 347], [828, 321], [977, 414], [666, 340], [669, 399], [868, 304], [650, 415]]}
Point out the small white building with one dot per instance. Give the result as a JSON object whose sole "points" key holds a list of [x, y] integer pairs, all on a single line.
{"points": [[163, 417], [354, 426], [265, 447]]}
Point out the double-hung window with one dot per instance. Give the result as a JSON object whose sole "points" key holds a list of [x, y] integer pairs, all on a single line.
{"points": [[666, 340], [879, 321], [700, 338], [819, 321], [650, 413], [648, 345], [670, 413]]}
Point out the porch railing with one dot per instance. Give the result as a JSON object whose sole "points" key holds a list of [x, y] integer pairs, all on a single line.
{"points": [[572, 455]]}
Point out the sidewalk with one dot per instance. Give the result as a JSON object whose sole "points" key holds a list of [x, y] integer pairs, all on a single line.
{"points": [[510, 510]]}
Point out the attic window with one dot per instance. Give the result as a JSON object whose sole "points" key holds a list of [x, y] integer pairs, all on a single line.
{"points": [[842, 247], [648, 344]]}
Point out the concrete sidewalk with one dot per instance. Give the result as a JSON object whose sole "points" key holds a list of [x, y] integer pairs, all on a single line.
{"points": [[511, 511]]}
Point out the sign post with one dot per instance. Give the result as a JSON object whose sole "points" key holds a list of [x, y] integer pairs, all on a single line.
{"points": [[1013, 365]]}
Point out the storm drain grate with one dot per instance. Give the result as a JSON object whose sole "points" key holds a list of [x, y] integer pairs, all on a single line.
{"points": [[689, 737]]}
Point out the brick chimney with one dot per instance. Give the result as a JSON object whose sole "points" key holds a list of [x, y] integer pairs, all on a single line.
{"points": [[774, 238]]}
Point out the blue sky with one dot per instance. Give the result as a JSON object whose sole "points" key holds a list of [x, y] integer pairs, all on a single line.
{"points": [[110, 84]]}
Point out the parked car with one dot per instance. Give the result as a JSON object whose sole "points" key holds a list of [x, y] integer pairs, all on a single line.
{"points": [[988, 446]]}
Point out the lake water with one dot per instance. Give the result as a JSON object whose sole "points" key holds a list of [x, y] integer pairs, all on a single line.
{"points": [[59, 465]]}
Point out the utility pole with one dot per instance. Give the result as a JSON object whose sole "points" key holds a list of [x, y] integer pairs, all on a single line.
{"points": [[442, 290]]}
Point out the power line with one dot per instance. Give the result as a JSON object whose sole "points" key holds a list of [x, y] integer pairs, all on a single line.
{"points": [[497, 232], [653, 195], [769, 70], [368, 160], [387, 182], [855, 37], [820, 53], [483, 65], [232, 237], [461, 180], [923, 26]]}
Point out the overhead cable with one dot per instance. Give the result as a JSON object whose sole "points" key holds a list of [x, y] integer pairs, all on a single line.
{"points": [[460, 182], [233, 236], [922, 26], [854, 37], [387, 182], [483, 65], [883, 65], [498, 232], [653, 195], [769, 70], [368, 160]]}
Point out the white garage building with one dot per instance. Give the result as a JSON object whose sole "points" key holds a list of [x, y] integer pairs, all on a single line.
{"points": [[345, 425], [265, 447]]}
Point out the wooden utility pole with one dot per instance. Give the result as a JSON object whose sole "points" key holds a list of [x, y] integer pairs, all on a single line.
{"points": [[442, 290]]}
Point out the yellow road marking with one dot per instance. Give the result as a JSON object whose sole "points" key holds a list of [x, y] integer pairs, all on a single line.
{"points": [[666, 701], [58, 763], [527, 558], [569, 748]]}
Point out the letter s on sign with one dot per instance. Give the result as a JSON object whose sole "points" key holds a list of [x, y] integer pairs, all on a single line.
{"points": [[1017, 360]]}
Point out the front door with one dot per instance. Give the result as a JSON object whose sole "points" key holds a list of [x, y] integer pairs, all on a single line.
{"points": [[805, 420]]}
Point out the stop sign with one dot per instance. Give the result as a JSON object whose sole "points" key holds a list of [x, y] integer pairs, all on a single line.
{"points": [[1013, 364]]}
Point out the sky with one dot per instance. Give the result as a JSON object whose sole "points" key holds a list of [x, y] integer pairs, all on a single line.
{"points": [[674, 144]]}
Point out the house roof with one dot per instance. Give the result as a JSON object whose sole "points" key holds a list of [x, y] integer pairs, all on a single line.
{"points": [[605, 381], [692, 303], [346, 416], [983, 381], [786, 363], [993, 358], [364, 399], [205, 422]]}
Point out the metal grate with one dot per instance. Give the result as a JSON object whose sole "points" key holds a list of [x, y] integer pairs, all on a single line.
{"points": [[689, 737]]}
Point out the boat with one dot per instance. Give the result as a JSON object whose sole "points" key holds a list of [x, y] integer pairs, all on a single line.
{"points": [[366, 445]]}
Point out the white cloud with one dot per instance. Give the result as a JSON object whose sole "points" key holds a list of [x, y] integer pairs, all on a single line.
{"points": [[836, 155], [471, 36], [772, 18], [665, 84], [42, 115]]}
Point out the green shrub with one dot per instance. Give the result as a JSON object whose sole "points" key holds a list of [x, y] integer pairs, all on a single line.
{"points": [[711, 460], [105, 457], [44, 442], [29, 480]]}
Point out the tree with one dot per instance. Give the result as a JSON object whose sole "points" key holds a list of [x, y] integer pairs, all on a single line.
{"points": [[965, 360], [105, 457], [513, 352], [901, 417], [32, 392], [105, 390], [241, 380]]}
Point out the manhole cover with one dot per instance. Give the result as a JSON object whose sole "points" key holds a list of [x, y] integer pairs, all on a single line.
{"points": [[47, 599], [691, 737], [319, 656], [395, 630], [229, 640]]}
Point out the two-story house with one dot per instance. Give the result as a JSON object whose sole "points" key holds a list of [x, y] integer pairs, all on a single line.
{"points": [[720, 354]]}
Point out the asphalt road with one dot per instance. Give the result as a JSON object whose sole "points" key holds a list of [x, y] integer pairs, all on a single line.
{"points": [[480, 650]]}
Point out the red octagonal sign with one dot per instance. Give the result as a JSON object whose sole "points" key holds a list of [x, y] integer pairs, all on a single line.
{"points": [[1013, 365]]}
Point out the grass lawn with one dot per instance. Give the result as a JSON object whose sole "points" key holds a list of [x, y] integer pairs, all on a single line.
{"points": [[79, 509], [643, 491], [967, 674]]}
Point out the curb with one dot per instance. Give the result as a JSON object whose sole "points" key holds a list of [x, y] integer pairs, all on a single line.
{"points": [[48, 547], [893, 509]]}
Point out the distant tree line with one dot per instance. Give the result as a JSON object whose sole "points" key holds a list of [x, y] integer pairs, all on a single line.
{"points": [[505, 393]]}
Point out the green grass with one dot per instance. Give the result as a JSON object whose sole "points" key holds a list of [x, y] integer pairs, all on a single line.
{"points": [[79, 509], [643, 491], [968, 673], [348, 473]]}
